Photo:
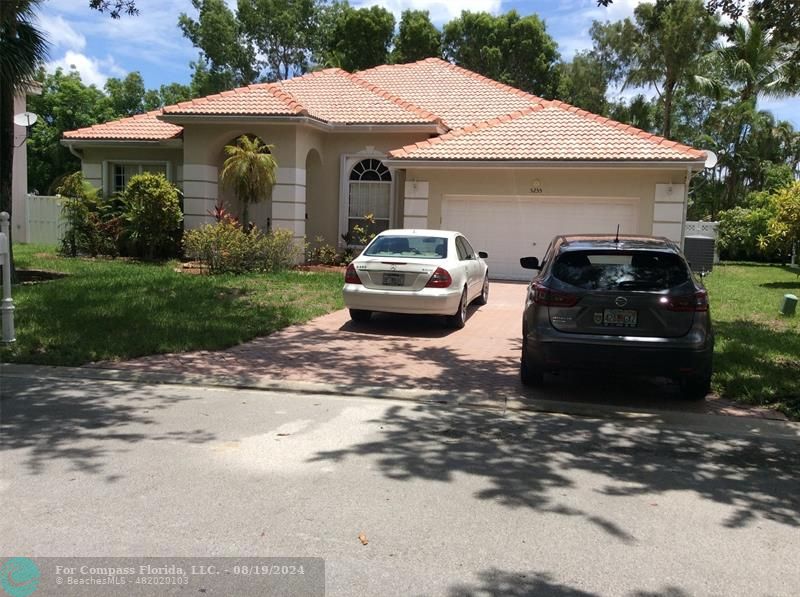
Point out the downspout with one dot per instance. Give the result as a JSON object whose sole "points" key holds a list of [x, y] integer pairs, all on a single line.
{"points": [[74, 152]]}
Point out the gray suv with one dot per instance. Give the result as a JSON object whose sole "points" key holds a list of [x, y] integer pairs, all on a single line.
{"points": [[627, 304]]}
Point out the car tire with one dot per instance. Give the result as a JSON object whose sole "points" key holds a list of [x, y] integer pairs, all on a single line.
{"points": [[531, 373], [458, 320], [483, 297], [360, 315], [695, 387]]}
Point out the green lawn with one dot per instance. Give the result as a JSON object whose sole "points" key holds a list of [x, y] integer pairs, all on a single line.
{"points": [[757, 357], [107, 310]]}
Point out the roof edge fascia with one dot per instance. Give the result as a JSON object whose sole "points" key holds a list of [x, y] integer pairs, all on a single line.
{"points": [[694, 165], [100, 143]]}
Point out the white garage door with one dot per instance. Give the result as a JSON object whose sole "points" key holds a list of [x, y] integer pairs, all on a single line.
{"points": [[512, 227]]}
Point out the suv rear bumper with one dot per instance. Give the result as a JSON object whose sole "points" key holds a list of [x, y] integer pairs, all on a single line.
{"points": [[640, 358]]}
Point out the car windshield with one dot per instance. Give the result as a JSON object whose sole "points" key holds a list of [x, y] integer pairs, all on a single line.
{"points": [[421, 247], [636, 270]]}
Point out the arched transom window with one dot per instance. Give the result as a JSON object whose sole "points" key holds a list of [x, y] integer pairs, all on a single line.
{"points": [[370, 193]]}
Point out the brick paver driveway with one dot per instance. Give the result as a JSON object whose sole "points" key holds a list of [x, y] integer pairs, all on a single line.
{"points": [[420, 353]]}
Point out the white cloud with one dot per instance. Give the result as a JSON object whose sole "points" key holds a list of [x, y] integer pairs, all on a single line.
{"points": [[93, 71], [441, 10], [60, 33]]}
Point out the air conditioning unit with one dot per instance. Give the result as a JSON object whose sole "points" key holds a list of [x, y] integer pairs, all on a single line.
{"points": [[699, 251]]}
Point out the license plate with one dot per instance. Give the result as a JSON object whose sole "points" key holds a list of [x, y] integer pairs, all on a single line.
{"points": [[393, 279], [626, 318]]}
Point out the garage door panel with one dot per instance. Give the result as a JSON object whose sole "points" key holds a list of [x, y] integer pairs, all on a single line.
{"points": [[512, 227]]}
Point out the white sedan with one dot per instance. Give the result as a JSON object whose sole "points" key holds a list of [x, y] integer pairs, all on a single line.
{"points": [[432, 272]]}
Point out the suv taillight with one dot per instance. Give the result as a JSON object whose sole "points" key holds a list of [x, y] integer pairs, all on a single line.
{"points": [[697, 302], [542, 295], [350, 275], [440, 279]]}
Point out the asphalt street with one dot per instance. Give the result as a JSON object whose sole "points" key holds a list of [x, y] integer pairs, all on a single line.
{"points": [[450, 500]]}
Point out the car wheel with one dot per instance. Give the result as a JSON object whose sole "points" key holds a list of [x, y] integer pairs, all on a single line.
{"points": [[531, 373], [696, 387], [458, 320], [360, 315], [483, 298]]}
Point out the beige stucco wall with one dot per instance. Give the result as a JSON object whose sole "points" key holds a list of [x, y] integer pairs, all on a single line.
{"points": [[96, 161], [614, 182]]}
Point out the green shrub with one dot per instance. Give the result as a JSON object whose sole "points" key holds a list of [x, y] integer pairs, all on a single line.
{"points": [[86, 233], [151, 222], [322, 253], [225, 247]]}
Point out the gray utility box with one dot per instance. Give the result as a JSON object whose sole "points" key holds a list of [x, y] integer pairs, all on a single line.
{"points": [[699, 251]]}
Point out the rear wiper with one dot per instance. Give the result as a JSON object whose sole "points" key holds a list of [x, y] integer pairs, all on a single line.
{"points": [[638, 285]]}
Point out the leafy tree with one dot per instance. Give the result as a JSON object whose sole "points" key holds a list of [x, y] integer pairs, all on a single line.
{"points": [[281, 31], [115, 8], [152, 217], [638, 111], [508, 48], [65, 104], [355, 38], [660, 48], [126, 96], [785, 226], [166, 95], [226, 59], [417, 37], [583, 83], [250, 169]]}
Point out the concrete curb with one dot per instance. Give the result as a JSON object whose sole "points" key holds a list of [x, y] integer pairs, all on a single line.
{"points": [[698, 422]]}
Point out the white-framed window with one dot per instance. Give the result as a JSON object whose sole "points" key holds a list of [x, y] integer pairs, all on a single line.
{"points": [[369, 192], [121, 173]]}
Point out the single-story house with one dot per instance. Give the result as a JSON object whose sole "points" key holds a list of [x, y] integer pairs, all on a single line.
{"points": [[420, 145]]}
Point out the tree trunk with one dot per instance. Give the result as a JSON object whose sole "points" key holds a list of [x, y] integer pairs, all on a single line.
{"points": [[7, 159], [669, 92]]}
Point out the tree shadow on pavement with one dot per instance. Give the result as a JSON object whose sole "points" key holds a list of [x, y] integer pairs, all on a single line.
{"points": [[529, 461], [81, 423]]}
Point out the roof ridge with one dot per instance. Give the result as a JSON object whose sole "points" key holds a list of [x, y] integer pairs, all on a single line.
{"points": [[116, 120], [626, 128], [466, 130], [276, 90], [396, 99], [485, 79]]}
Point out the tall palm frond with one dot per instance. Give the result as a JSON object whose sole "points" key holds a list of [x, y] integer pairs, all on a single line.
{"points": [[250, 170], [22, 46]]}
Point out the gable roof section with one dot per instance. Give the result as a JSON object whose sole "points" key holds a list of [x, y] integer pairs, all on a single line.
{"points": [[549, 131], [331, 95], [458, 96], [260, 99], [142, 127]]}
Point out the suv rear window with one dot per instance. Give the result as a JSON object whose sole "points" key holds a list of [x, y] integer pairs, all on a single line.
{"points": [[421, 247], [620, 270]]}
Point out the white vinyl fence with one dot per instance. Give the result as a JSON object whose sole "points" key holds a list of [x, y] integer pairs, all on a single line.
{"points": [[43, 220]]}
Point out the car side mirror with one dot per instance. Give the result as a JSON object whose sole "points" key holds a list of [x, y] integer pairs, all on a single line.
{"points": [[483, 254], [530, 263]]}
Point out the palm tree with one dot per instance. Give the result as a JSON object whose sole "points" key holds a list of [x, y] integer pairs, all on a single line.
{"points": [[250, 169], [22, 49], [754, 65]]}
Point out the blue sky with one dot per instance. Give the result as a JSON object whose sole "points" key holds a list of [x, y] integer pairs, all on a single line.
{"points": [[151, 43]]}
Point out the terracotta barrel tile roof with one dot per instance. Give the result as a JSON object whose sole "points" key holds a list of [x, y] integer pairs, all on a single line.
{"points": [[336, 96], [458, 96], [142, 127], [254, 100], [547, 132], [490, 120]]}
